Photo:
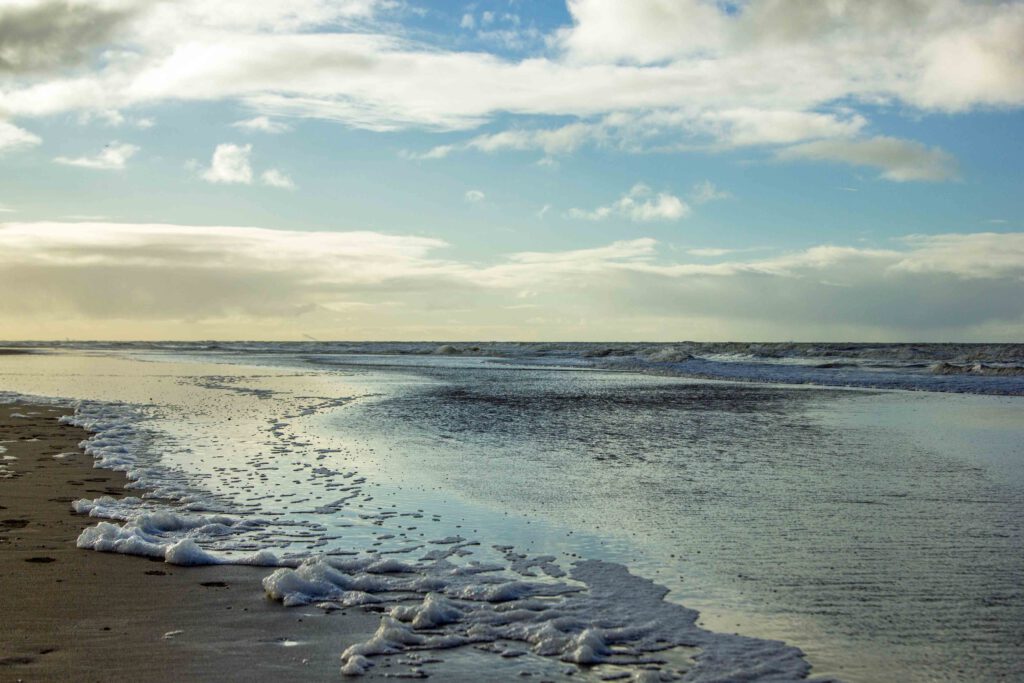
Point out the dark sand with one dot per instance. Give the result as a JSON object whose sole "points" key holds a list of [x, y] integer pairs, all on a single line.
{"points": [[79, 615]]}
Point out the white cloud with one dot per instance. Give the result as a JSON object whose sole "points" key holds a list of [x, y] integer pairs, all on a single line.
{"points": [[557, 141], [987, 255], [468, 22], [709, 252], [638, 76], [706, 191], [639, 205], [275, 178], [115, 118], [88, 218], [230, 164], [275, 16], [12, 137], [7, 209], [474, 196], [665, 130], [749, 126], [112, 157], [551, 141], [695, 60], [945, 54], [262, 124], [438, 152], [899, 160], [641, 31], [190, 278]]}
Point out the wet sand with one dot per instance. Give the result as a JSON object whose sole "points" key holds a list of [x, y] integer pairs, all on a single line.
{"points": [[71, 614]]}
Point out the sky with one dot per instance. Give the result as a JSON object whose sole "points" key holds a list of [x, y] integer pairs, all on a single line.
{"points": [[842, 170]]}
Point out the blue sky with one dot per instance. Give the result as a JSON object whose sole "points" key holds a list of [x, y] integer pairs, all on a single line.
{"points": [[658, 169]]}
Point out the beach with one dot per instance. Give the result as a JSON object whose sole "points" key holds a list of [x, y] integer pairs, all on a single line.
{"points": [[73, 614]]}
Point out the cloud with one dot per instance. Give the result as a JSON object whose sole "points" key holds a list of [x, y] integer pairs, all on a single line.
{"points": [[947, 54], [899, 160], [115, 118], [550, 141], [706, 191], [112, 157], [639, 205], [438, 152], [230, 164], [709, 252], [746, 126], [556, 141], [274, 16], [148, 271], [39, 36], [474, 196], [641, 31], [12, 137], [986, 255], [100, 277], [275, 178], [760, 72], [262, 124], [665, 130]]}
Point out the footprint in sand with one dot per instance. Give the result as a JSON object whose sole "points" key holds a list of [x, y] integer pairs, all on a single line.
{"points": [[11, 524], [12, 661]]}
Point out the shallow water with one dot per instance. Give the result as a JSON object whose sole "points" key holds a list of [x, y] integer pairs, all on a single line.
{"points": [[878, 531]]}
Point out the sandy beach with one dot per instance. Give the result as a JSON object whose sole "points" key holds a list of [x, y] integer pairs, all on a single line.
{"points": [[72, 614]]}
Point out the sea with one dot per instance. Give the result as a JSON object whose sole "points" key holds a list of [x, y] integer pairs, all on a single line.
{"points": [[581, 511]]}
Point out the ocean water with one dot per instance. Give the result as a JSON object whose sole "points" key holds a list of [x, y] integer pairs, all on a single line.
{"points": [[540, 501], [943, 367]]}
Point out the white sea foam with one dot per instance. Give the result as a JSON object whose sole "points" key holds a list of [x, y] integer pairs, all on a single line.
{"points": [[435, 611]]}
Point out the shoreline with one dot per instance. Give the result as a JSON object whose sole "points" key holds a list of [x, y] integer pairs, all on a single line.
{"points": [[82, 615]]}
